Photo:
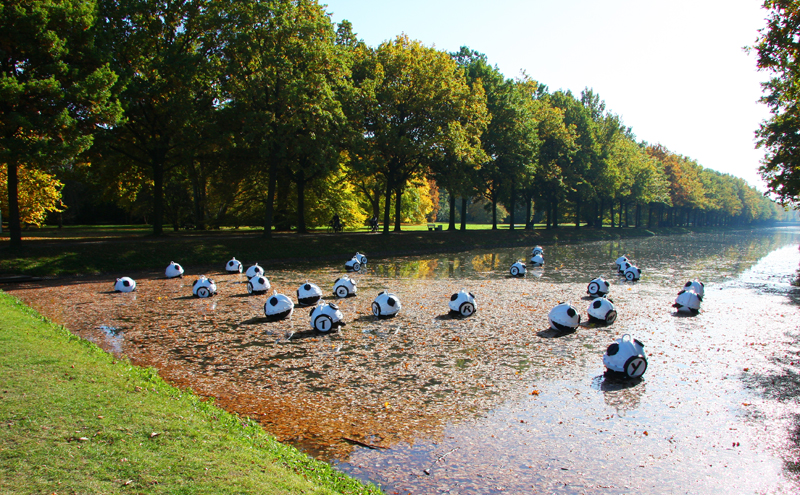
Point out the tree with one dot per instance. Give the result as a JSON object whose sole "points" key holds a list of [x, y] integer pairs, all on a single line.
{"points": [[54, 89], [282, 69], [412, 102], [38, 193], [776, 50]]}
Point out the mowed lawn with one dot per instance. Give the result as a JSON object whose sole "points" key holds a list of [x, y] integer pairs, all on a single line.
{"points": [[74, 419]]}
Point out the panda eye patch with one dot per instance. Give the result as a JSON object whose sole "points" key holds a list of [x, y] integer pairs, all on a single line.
{"points": [[390, 302], [307, 287], [273, 301], [571, 312], [454, 297], [596, 304], [612, 349]]}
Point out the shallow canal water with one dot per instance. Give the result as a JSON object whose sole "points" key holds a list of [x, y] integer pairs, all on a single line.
{"points": [[496, 403]]}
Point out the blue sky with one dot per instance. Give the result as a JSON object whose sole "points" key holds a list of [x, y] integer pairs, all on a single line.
{"points": [[674, 71]]}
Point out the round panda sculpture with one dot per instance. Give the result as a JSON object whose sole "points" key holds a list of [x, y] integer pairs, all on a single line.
{"points": [[124, 284], [361, 258], [688, 301], [308, 294], [344, 287], [278, 307], [598, 287], [259, 284], [601, 310], [621, 263], [537, 250], [463, 303], [353, 265], [697, 286], [518, 269], [564, 318], [233, 266], [537, 260], [625, 358], [174, 270], [326, 317], [632, 273], [386, 305], [253, 271], [204, 287]]}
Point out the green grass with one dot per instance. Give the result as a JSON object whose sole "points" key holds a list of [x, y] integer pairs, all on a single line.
{"points": [[126, 250], [75, 420]]}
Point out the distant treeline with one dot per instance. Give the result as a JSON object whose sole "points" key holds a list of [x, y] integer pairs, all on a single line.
{"points": [[244, 112]]}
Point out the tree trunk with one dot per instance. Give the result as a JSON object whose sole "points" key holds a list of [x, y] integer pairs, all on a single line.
{"points": [[387, 204], [398, 201], [528, 214], [513, 207], [452, 200], [555, 214], [549, 214], [14, 224], [578, 213], [611, 208], [158, 197], [494, 214], [600, 217], [463, 213]]}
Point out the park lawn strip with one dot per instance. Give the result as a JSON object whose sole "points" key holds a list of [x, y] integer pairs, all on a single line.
{"points": [[75, 419]]}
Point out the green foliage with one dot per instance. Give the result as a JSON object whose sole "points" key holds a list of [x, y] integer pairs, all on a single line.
{"points": [[54, 88], [776, 48]]}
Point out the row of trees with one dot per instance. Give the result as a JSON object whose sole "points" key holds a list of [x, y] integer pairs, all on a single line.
{"points": [[265, 113]]}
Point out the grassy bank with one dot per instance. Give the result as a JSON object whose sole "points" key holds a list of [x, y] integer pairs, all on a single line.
{"points": [[74, 420], [121, 250]]}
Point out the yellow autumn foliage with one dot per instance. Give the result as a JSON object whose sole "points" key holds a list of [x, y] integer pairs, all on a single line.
{"points": [[39, 193]]}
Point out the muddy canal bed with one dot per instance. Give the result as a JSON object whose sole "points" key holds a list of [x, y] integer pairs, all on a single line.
{"points": [[494, 403]]}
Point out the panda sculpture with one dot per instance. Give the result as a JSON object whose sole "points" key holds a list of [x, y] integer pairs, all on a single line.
{"points": [[259, 284], [278, 307], [124, 284], [361, 258], [598, 287], [463, 303], [632, 273], [537, 250], [386, 305], [326, 317], [537, 260], [688, 301], [204, 287], [518, 269], [344, 287], [625, 358], [622, 262], [253, 271], [353, 265], [234, 266], [697, 286], [174, 270], [564, 318], [602, 310], [308, 294]]}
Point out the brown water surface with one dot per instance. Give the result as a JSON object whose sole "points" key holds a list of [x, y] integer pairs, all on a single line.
{"points": [[494, 403]]}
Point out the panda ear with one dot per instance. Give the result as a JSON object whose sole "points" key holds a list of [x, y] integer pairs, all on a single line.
{"points": [[687, 284]]}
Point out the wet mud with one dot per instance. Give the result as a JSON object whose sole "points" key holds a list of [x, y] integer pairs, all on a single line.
{"points": [[498, 402]]}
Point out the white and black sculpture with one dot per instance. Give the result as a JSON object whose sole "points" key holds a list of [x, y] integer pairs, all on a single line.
{"points": [[518, 269], [253, 271], [174, 270], [308, 294], [204, 287], [462, 303], [124, 284], [625, 358], [602, 310], [344, 287], [326, 317], [598, 287], [278, 307], [233, 266], [257, 285], [688, 301], [386, 305], [564, 318]]}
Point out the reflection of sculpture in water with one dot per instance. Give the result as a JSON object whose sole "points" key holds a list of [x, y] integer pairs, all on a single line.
{"points": [[536, 272], [622, 394]]}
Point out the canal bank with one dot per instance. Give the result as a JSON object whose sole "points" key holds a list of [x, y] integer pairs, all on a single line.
{"points": [[425, 403]]}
